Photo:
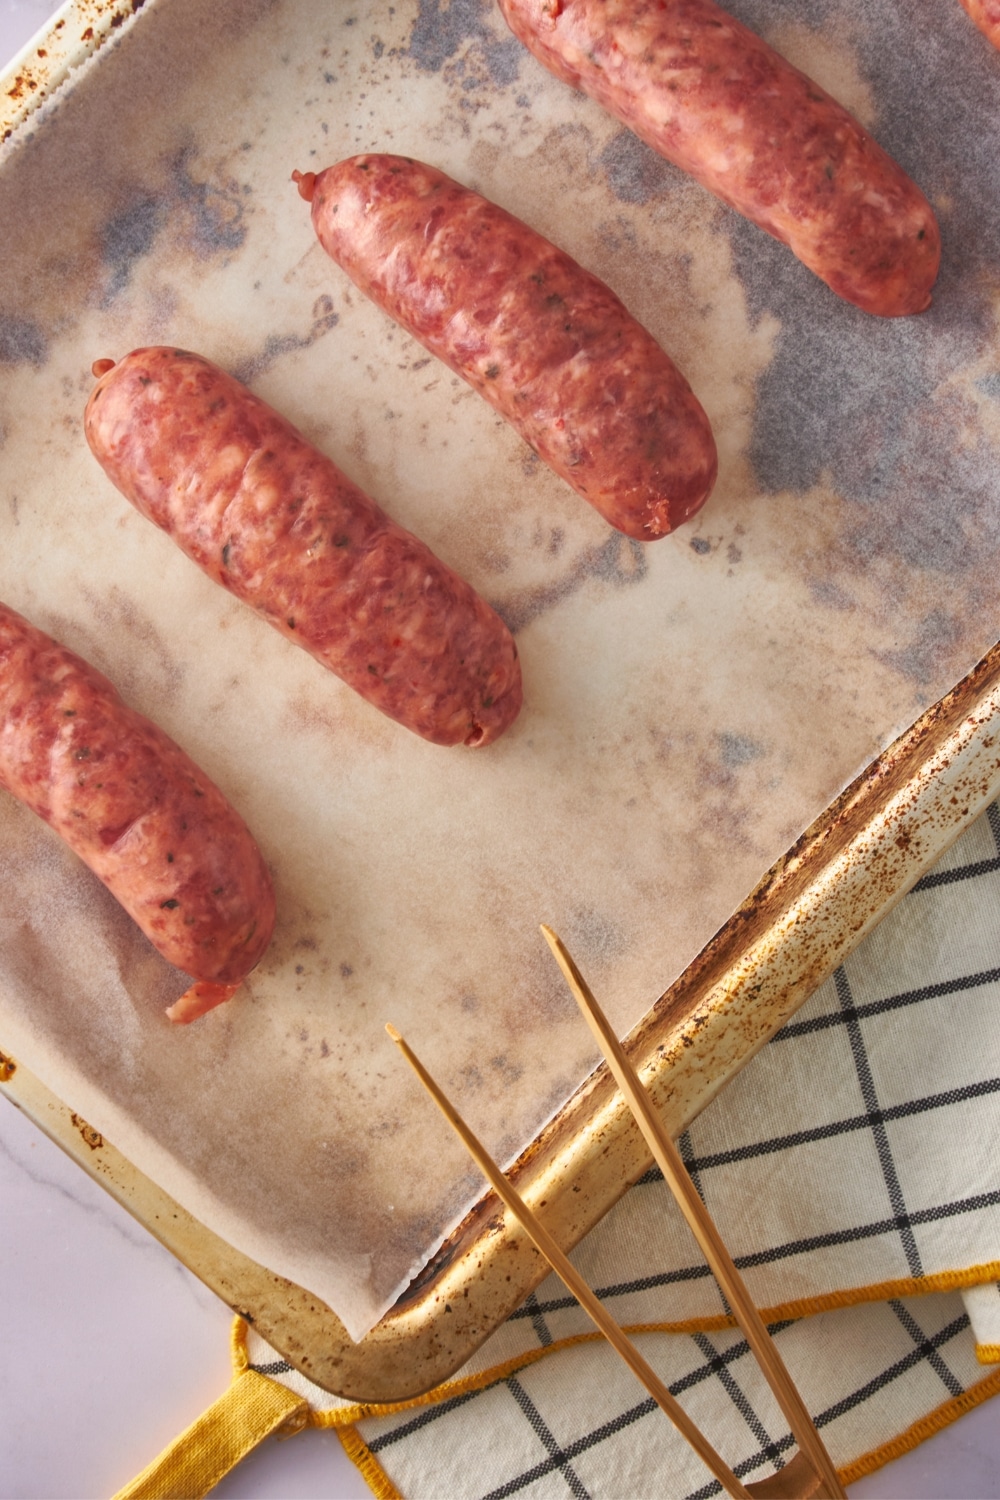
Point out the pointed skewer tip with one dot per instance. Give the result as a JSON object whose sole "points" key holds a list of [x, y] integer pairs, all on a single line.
{"points": [[393, 1032]]}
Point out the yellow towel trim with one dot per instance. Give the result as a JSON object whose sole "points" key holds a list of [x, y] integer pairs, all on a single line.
{"points": [[942, 1416], [342, 1419], [364, 1459], [238, 1351], [249, 1411], [346, 1416], [255, 1406], [383, 1488], [909, 1286]]}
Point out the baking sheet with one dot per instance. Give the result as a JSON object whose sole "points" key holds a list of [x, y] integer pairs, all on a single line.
{"points": [[689, 706]]}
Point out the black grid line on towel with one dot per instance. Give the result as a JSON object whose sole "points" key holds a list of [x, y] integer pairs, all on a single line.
{"points": [[853, 1012], [774, 1253], [834, 1128], [545, 1436], [740, 1399], [686, 1150], [927, 1349], [969, 871], [534, 1312], [936, 1361], [770, 1453], [881, 1135], [275, 1367], [715, 1366]]}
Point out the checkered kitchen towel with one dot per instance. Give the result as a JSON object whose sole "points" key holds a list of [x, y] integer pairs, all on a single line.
{"points": [[853, 1170]]}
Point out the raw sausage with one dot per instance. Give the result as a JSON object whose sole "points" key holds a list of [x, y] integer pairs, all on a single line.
{"points": [[986, 14], [716, 100], [548, 344], [137, 810], [545, 342], [275, 522]]}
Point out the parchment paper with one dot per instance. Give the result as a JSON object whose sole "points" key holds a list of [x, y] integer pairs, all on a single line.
{"points": [[690, 706]]}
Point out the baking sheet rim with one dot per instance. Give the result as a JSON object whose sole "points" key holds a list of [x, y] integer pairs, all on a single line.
{"points": [[816, 904], [803, 918], [72, 34]]}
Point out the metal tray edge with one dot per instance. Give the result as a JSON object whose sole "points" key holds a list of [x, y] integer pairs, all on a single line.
{"points": [[76, 31], [840, 878], [804, 917]]}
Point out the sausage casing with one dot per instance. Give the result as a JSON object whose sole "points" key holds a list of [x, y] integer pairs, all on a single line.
{"points": [[712, 97], [548, 344], [137, 811], [275, 522], [986, 14]]}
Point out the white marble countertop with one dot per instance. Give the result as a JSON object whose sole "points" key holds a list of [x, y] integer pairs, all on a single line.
{"points": [[110, 1348]]}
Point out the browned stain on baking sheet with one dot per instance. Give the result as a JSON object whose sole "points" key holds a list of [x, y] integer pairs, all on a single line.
{"points": [[90, 1136]]}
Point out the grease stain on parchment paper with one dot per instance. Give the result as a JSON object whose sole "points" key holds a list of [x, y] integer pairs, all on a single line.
{"points": [[619, 561], [110, 614], [443, 30], [125, 202], [22, 341], [202, 219], [277, 345], [128, 235]]}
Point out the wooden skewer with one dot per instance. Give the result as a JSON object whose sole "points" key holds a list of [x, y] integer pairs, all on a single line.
{"points": [[581, 1291], [669, 1160]]}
